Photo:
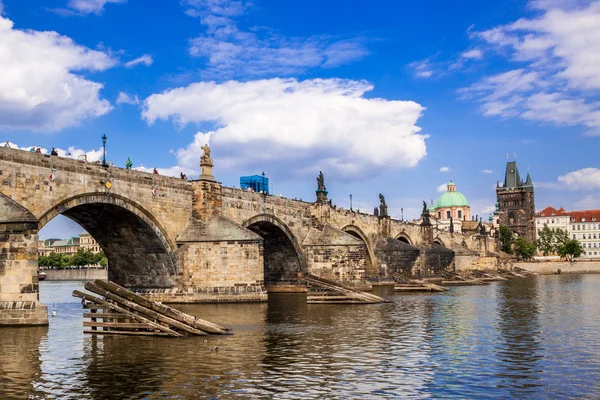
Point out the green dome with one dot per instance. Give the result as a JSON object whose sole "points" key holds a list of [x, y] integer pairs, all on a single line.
{"points": [[452, 198]]}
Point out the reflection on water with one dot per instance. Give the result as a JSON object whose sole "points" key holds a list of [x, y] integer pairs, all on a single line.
{"points": [[529, 338]]}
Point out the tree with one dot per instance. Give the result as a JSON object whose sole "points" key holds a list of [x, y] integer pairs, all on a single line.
{"points": [[506, 239], [570, 249], [524, 248], [546, 240], [549, 240]]}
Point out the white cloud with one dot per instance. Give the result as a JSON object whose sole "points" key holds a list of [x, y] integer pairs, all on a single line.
{"points": [[311, 125], [583, 179], [444, 169], [38, 87], [146, 59], [473, 54], [124, 98], [558, 53], [488, 171], [442, 188], [84, 7], [423, 68], [589, 202], [232, 52], [71, 152]]}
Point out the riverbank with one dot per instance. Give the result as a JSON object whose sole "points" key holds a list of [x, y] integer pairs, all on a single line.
{"points": [[75, 274], [565, 267]]}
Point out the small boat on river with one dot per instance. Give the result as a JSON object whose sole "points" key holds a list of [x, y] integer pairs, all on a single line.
{"points": [[41, 276]]}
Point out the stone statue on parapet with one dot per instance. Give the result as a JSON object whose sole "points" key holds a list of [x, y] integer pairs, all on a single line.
{"points": [[321, 182], [206, 155], [425, 215], [376, 211], [128, 163], [321, 191], [383, 212]]}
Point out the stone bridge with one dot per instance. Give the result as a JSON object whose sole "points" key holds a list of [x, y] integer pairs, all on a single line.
{"points": [[191, 241]]}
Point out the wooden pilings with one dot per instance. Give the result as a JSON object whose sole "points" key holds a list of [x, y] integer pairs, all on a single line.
{"points": [[124, 312]]}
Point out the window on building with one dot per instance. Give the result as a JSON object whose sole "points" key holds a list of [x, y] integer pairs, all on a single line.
{"points": [[439, 215], [459, 214], [582, 219], [573, 236], [448, 214]]}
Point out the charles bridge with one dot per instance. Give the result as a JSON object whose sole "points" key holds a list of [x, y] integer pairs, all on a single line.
{"points": [[193, 241]]}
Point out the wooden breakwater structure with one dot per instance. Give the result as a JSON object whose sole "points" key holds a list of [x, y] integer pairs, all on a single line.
{"points": [[119, 311], [324, 291]]}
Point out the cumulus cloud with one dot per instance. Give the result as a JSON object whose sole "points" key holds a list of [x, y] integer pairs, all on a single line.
{"points": [[444, 169], [311, 125], [85, 7], [39, 88], [582, 179], [558, 53], [232, 52], [442, 188], [146, 59], [124, 98]]}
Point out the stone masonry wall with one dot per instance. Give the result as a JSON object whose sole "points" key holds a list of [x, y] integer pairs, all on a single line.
{"points": [[220, 264], [340, 263]]}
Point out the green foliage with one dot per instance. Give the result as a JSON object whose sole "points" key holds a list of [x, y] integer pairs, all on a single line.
{"points": [[524, 248], [81, 258], [506, 238], [570, 249], [550, 240]]}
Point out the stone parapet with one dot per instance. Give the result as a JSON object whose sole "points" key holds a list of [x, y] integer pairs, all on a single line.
{"points": [[220, 294], [15, 313]]}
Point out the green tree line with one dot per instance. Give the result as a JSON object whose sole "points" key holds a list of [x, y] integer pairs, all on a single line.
{"points": [[550, 241], [79, 259]]}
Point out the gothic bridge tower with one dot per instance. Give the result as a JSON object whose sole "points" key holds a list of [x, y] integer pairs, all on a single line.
{"points": [[516, 204]]}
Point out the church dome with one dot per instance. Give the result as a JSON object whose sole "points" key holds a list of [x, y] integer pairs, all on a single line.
{"points": [[452, 198]]}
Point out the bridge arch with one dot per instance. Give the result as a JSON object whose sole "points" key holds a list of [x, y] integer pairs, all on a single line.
{"points": [[438, 241], [140, 254], [283, 256], [359, 234], [404, 237]]}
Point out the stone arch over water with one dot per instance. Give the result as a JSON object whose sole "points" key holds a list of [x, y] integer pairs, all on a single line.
{"points": [[139, 253], [359, 234], [283, 256]]}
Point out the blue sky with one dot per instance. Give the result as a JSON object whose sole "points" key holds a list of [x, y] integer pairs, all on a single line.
{"points": [[383, 97]]}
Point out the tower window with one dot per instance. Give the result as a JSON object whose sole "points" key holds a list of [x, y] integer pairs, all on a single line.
{"points": [[459, 214], [448, 214]]}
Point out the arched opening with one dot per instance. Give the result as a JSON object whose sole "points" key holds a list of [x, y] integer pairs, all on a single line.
{"points": [[438, 242], [356, 232], [281, 254], [138, 253]]}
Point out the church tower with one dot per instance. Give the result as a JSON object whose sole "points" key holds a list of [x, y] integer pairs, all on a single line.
{"points": [[516, 204]]}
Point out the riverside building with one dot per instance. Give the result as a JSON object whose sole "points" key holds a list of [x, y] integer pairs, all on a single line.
{"points": [[581, 225]]}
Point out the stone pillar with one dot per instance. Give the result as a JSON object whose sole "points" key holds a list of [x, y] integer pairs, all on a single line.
{"points": [[384, 225], [19, 287], [207, 200]]}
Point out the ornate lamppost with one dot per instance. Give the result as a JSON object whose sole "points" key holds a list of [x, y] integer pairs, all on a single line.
{"points": [[401, 214], [350, 202], [104, 164], [263, 186]]}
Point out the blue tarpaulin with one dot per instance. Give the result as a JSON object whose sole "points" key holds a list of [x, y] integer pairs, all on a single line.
{"points": [[256, 183]]}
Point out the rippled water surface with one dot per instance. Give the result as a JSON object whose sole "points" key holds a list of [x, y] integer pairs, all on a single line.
{"points": [[530, 338]]}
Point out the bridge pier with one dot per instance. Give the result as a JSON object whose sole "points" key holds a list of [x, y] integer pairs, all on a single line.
{"points": [[19, 288]]}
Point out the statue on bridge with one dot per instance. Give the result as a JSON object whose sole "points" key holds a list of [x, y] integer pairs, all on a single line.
{"points": [[425, 215], [128, 163], [206, 155], [383, 212], [321, 181], [321, 190]]}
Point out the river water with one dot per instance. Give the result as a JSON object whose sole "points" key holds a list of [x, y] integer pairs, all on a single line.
{"points": [[526, 338]]}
